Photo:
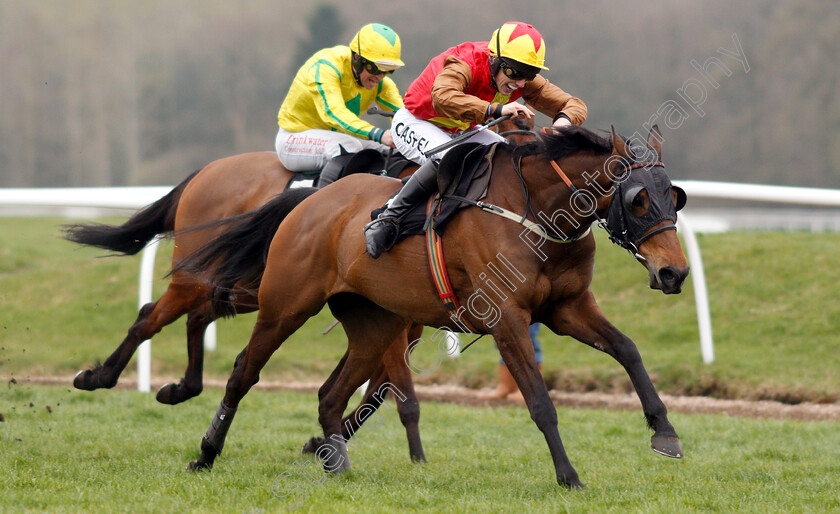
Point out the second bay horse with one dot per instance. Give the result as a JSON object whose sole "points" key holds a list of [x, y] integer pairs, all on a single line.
{"points": [[224, 188]]}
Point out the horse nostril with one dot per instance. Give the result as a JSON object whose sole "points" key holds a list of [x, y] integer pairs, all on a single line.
{"points": [[669, 277]]}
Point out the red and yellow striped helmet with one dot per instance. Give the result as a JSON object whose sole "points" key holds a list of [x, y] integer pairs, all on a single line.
{"points": [[520, 42]]}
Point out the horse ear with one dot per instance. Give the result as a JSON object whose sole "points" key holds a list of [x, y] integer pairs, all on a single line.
{"points": [[679, 197], [620, 148], [655, 140]]}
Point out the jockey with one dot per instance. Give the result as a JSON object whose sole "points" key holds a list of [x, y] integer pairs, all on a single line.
{"points": [[466, 85], [320, 115]]}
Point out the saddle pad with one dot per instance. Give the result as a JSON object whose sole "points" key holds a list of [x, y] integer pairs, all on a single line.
{"points": [[365, 161], [302, 180]]}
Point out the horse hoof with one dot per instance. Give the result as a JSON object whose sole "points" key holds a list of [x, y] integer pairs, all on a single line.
{"points": [[572, 483], [82, 380], [166, 395], [667, 445], [335, 460], [173, 394], [312, 445], [197, 465]]}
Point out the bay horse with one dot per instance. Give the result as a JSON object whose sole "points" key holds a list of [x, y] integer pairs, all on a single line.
{"points": [[223, 189], [548, 276]]}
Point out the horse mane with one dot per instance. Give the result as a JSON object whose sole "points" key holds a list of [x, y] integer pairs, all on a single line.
{"points": [[564, 142]]}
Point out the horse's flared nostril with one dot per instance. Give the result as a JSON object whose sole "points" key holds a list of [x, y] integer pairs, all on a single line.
{"points": [[672, 278], [667, 276]]}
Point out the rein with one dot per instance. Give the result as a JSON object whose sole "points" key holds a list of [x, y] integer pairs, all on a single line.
{"points": [[646, 164], [523, 218], [544, 232]]}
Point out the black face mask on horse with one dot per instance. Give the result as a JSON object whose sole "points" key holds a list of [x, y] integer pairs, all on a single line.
{"points": [[644, 198]]}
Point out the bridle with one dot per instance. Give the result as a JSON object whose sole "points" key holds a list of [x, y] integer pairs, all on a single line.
{"points": [[623, 240], [623, 236]]}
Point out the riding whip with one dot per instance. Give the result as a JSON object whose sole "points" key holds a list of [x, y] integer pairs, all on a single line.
{"points": [[465, 135]]}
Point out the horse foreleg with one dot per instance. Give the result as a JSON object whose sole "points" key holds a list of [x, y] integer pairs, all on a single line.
{"points": [[177, 300], [583, 320], [517, 351]]}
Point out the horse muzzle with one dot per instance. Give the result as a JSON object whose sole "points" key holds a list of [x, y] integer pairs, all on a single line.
{"points": [[668, 279]]}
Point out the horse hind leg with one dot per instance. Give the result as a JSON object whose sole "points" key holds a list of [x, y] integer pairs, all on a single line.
{"points": [[198, 320], [392, 372], [266, 338], [191, 385], [399, 375], [312, 445], [150, 320], [407, 407]]}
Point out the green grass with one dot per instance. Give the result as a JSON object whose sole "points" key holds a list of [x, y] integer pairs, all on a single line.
{"points": [[120, 451], [773, 301]]}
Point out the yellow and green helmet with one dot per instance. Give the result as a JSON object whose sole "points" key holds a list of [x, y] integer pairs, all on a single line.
{"points": [[379, 44], [519, 42]]}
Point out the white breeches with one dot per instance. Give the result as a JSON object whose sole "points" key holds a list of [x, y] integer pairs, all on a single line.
{"points": [[413, 136], [309, 150]]}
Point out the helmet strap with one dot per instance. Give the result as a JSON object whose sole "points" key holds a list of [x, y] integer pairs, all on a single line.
{"points": [[495, 66], [496, 62], [356, 59], [357, 66]]}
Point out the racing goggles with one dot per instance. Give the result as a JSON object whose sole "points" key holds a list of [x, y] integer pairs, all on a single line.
{"points": [[372, 69], [516, 71]]}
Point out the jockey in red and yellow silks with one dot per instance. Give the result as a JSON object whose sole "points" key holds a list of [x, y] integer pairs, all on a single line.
{"points": [[320, 114], [478, 89], [469, 84]]}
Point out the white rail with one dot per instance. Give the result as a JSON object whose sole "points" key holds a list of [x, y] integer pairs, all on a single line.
{"points": [[760, 192], [701, 296], [137, 197]]}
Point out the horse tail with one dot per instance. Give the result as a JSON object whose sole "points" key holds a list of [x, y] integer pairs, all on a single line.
{"points": [[133, 235], [238, 254]]}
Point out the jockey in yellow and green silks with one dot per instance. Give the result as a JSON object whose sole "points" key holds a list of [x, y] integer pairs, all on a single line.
{"points": [[320, 114]]}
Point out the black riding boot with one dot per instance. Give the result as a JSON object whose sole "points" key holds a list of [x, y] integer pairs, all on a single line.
{"points": [[332, 171], [381, 233]]}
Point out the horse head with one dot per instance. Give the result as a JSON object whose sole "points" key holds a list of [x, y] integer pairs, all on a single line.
{"points": [[621, 186], [642, 213]]}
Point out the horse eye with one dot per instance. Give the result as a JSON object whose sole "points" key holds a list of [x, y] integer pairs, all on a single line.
{"points": [[640, 203], [639, 200]]}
